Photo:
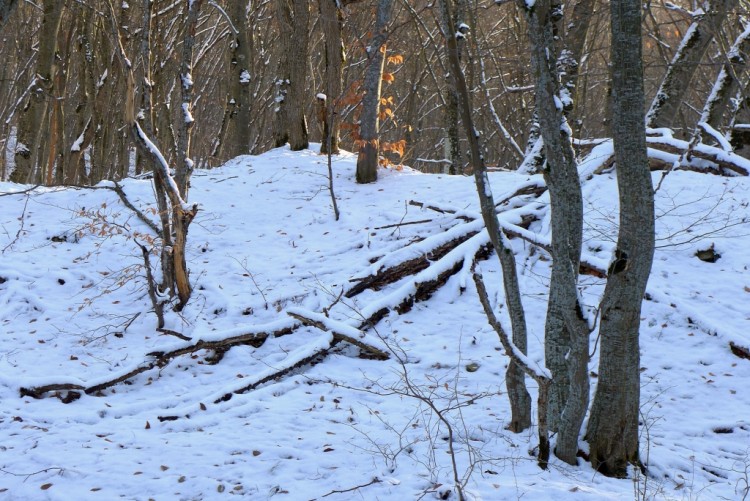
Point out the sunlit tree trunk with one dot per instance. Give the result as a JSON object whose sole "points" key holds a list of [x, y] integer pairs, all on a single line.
{"points": [[518, 395], [369, 132]]}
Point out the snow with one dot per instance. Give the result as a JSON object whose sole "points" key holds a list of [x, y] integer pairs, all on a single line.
{"points": [[74, 309]]}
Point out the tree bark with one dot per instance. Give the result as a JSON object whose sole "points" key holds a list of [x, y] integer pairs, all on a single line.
{"points": [[613, 424], [566, 332], [291, 124], [185, 164], [369, 149], [241, 76], [331, 21], [28, 155]]}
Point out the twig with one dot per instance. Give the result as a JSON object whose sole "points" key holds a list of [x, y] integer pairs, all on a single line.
{"points": [[23, 222], [28, 475], [402, 224], [375, 480]]}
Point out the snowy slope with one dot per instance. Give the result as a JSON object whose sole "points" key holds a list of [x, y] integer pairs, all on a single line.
{"points": [[74, 308]]}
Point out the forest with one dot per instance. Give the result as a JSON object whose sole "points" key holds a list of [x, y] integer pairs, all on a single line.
{"points": [[385, 249]]}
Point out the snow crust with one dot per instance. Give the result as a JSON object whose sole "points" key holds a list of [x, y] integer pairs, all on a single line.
{"points": [[74, 309]]}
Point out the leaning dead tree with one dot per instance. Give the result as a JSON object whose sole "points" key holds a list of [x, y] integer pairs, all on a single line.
{"points": [[179, 215]]}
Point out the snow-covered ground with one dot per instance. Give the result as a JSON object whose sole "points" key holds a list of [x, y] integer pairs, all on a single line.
{"points": [[74, 308]]}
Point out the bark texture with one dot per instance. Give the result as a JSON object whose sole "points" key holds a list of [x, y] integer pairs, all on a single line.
{"points": [[566, 332], [613, 425], [331, 21], [241, 75]]}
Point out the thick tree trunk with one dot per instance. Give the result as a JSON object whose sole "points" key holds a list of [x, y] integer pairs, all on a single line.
{"points": [[613, 425], [298, 135], [520, 400], [28, 154], [369, 131], [685, 63], [291, 126], [566, 333], [241, 76]]}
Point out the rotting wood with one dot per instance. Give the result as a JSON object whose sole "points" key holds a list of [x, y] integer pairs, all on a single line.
{"points": [[739, 351], [159, 359], [386, 276]]}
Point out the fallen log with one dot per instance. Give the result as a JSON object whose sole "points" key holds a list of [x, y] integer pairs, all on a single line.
{"points": [[739, 351], [160, 359], [341, 332]]}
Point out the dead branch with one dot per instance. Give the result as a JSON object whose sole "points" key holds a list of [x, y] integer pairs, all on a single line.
{"points": [[161, 359], [127, 203], [387, 276], [542, 376], [398, 225], [723, 159]]}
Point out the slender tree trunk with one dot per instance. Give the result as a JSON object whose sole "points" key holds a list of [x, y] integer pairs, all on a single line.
{"points": [[281, 111], [566, 333], [185, 164], [613, 424], [520, 400], [369, 132]]}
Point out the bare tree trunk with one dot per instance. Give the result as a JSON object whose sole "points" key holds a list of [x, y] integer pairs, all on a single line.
{"points": [[241, 76], [185, 164], [369, 132], [331, 20], [613, 424], [291, 125], [28, 155], [281, 111], [566, 333], [520, 400], [685, 63]]}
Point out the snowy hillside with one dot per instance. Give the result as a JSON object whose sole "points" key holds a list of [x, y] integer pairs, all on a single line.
{"points": [[339, 423]]}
